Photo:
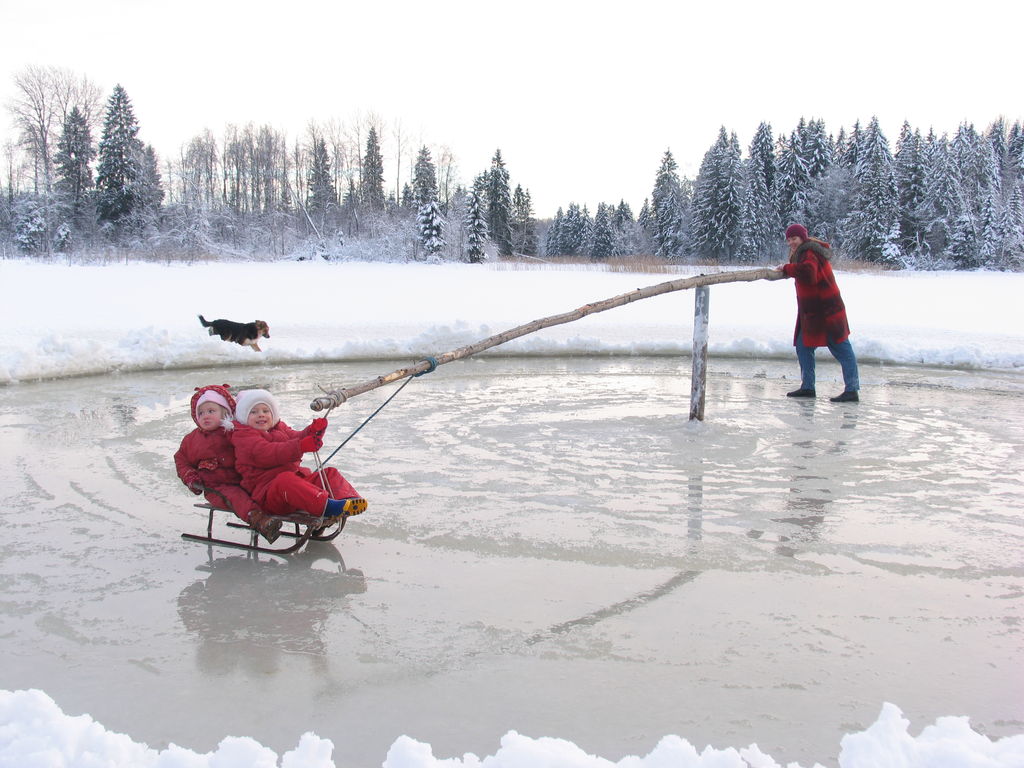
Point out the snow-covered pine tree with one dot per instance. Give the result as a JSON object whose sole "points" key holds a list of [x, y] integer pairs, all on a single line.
{"points": [[321, 196], [623, 215], [118, 160], [524, 231], [602, 243], [848, 152], [1015, 156], [815, 148], [876, 214], [717, 201], [910, 185], [792, 182], [1013, 229], [148, 187], [943, 199], [75, 153], [475, 224], [424, 178], [990, 213], [431, 227], [553, 239], [668, 207], [372, 186], [759, 225], [499, 205], [573, 232], [644, 219]]}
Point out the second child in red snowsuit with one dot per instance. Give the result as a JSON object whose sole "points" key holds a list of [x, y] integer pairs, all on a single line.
{"points": [[268, 454]]}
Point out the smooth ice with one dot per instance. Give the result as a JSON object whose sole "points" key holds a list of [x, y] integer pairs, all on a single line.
{"points": [[551, 548]]}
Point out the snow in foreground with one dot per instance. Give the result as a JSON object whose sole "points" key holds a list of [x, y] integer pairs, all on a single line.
{"points": [[34, 732]]}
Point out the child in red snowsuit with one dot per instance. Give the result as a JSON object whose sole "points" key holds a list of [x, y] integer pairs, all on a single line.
{"points": [[268, 454], [206, 459]]}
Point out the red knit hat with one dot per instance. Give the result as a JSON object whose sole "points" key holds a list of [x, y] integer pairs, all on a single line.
{"points": [[796, 230], [219, 394]]}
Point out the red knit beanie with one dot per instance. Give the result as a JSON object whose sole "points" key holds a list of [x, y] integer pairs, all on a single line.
{"points": [[796, 230], [221, 395]]}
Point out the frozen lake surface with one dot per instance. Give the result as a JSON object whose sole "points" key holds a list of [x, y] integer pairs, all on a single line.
{"points": [[550, 548]]}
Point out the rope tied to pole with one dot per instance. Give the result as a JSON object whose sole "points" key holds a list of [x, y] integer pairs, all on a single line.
{"points": [[432, 362]]}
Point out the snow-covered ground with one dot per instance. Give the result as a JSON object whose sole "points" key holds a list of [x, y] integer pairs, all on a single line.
{"points": [[833, 525], [68, 320]]}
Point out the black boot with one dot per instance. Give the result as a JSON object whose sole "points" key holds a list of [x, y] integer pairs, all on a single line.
{"points": [[801, 393], [849, 396]]}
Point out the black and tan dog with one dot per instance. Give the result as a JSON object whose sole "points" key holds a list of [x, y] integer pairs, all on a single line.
{"points": [[246, 334]]}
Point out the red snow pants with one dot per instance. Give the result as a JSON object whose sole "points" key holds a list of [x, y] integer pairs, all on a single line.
{"points": [[303, 491], [238, 501]]}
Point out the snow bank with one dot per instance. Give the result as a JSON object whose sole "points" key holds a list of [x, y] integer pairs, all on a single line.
{"points": [[35, 733], [67, 320]]}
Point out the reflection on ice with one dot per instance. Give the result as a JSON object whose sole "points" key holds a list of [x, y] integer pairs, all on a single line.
{"points": [[246, 611]]}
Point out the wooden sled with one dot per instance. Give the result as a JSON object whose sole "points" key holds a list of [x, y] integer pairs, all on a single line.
{"points": [[304, 528]]}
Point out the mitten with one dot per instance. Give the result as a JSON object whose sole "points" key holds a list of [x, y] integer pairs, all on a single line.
{"points": [[310, 443], [318, 426], [194, 482]]}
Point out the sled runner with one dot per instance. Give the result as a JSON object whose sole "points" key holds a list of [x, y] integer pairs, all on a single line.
{"points": [[303, 528]]}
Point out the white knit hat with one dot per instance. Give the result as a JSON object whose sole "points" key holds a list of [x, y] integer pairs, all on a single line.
{"points": [[247, 400]]}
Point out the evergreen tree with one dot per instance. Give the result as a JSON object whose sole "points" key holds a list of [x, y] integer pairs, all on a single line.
{"points": [[849, 152], [1013, 229], [524, 234], [148, 188], [667, 215], [717, 199], [759, 225], [553, 240], [321, 196], [910, 185], [499, 206], [602, 243], [118, 160], [623, 216], [816, 149], [75, 154], [1015, 156], [792, 183], [373, 173], [573, 231], [990, 212], [424, 178], [431, 227], [476, 228], [645, 220], [944, 204], [874, 234]]}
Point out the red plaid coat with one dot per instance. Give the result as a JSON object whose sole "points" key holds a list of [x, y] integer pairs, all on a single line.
{"points": [[821, 314]]}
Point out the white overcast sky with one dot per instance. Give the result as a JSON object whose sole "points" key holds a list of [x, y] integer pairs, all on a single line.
{"points": [[582, 98]]}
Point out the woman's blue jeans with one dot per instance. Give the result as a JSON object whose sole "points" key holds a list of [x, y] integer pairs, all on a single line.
{"points": [[843, 352]]}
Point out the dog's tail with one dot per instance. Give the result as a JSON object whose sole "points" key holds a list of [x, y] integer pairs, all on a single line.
{"points": [[204, 322]]}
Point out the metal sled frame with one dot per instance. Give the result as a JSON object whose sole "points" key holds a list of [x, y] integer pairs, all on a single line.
{"points": [[305, 528]]}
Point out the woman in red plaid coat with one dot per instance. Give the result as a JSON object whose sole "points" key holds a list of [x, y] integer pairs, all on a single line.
{"points": [[821, 314]]}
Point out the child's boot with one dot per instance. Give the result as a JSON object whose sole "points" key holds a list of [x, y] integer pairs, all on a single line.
{"points": [[268, 526], [347, 507]]}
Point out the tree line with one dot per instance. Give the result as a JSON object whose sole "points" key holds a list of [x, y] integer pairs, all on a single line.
{"points": [[80, 179]]}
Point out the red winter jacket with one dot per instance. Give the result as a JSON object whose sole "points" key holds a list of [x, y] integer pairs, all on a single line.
{"points": [[207, 457], [821, 313], [262, 456]]}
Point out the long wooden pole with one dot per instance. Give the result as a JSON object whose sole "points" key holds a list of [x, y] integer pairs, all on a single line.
{"points": [[334, 398]]}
